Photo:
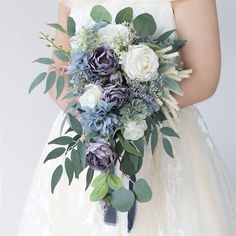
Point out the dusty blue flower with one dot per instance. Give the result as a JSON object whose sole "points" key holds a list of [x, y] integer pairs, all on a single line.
{"points": [[115, 93], [100, 118], [102, 61], [99, 155]]}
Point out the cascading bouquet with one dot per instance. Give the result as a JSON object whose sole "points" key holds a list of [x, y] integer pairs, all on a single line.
{"points": [[125, 79]]}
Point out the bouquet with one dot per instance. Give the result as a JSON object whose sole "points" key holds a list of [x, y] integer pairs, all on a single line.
{"points": [[125, 79]]}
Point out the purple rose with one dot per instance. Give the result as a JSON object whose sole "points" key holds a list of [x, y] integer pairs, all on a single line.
{"points": [[99, 155], [115, 93], [116, 78], [102, 61]]}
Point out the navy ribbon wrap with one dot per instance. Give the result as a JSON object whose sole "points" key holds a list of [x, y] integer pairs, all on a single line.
{"points": [[110, 214]]}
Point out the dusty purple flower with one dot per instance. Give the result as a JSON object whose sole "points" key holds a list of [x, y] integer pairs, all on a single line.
{"points": [[116, 78], [99, 155], [102, 61], [115, 93]]}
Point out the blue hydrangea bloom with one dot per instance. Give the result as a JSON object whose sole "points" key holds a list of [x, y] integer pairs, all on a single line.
{"points": [[79, 61], [100, 118]]}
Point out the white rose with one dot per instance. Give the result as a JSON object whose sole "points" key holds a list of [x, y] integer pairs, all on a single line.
{"points": [[91, 96], [140, 63], [110, 32], [134, 130]]}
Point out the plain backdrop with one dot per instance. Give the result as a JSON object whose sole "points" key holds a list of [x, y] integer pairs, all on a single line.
{"points": [[25, 120]]}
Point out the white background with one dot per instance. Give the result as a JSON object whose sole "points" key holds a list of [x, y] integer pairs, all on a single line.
{"points": [[25, 120]]}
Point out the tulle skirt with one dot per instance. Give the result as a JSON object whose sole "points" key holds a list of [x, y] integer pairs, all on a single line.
{"points": [[192, 195]]}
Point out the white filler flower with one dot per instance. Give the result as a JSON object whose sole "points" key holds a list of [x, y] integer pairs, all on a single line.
{"points": [[140, 63], [109, 33], [134, 130], [91, 96]]}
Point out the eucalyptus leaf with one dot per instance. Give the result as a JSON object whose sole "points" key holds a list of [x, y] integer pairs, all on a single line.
{"points": [[99, 192], [78, 165], [100, 13], [55, 153], [128, 146], [75, 124], [40, 78], [143, 192], [168, 147], [60, 85], [148, 131], [56, 176], [57, 27], [154, 139], [69, 169], [172, 85], [63, 140], [71, 26], [63, 124], [45, 60], [122, 199], [131, 164], [169, 132], [61, 55], [114, 182], [145, 24], [123, 15], [89, 177], [165, 36], [69, 95], [177, 45], [99, 180], [50, 81], [82, 152], [140, 145]]}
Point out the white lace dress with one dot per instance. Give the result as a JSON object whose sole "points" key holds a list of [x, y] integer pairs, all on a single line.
{"points": [[192, 195]]}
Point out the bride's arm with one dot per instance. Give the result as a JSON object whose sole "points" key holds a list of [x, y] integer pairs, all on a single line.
{"points": [[63, 40], [197, 22]]}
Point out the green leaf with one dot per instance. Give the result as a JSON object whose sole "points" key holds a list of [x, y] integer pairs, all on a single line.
{"points": [[71, 105], [60, 85], [177, 45], [148, 131], [169, 132], [63, 124], [125, 14], [119, 149], [78, 165], [69, 95], [99, 180], [40, 78], [129, 147], [45, 60], [131, 164], [61, 55], [71, 26], [142, 191], [55, 153], [140, 145], [114, 182], [82, 152], [172, 85], [57, 27], [122, 199], [75, 124], [145, 24], [99, 192], [165, 36], [63, 140], [154, 139], [69, 169], [89, 177], [168, 147], [56, 176], [50, 81], [100, 13]]}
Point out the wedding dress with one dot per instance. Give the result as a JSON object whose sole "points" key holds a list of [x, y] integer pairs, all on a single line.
{"points": [[192, 195]]}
